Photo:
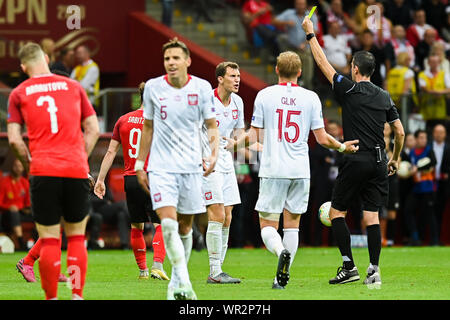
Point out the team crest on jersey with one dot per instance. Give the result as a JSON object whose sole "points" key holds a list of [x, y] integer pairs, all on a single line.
{"points": [[193, 99], [157, 197], [208, 195], [235, 114]]}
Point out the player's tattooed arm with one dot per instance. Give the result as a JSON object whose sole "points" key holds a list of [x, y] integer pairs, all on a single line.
{"points": [[18, 145], [213, 137]]}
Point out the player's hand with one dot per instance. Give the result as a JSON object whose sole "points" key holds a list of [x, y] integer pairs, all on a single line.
{"points": [[91, 182], [100, 189], [210, 168], [230, 144], [392, 167], [143, 180], [308, 25], [350, 146]]}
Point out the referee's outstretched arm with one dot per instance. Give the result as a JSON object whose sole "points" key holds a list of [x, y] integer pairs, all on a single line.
{"points": [[317, 51]]}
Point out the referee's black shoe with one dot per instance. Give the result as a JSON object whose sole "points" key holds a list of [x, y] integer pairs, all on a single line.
{"points": [[284, 262], [344, 275]]}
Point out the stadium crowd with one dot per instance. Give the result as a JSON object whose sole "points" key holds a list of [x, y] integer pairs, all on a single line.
{"points": [[410, 41]]}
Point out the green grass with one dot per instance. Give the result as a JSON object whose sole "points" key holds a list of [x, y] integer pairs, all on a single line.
{"points": [[407, 273]]}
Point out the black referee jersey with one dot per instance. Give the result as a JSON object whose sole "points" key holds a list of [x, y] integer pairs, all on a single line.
{"points": [[365, 109]]}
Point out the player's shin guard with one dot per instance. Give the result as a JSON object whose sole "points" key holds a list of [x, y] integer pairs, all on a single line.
{"points": [[50, 266], [225, 236], [159, 251], [374, 243], [214, 246], [272, 240], [187, 244], [175, 249], [139, 248], [77, 263], [290, 241]]}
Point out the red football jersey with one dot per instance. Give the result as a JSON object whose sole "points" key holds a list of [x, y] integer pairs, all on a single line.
{"points": [[14, 193], [128, 131], [53, 107]]}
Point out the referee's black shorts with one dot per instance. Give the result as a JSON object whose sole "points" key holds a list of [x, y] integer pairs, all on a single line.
{"points": [[138, 202], [360, 175], [53, 198]]}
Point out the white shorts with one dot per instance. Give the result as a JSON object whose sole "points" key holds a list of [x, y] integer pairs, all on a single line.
{"points": [[221, 187], [278, 194], [180, 190]]}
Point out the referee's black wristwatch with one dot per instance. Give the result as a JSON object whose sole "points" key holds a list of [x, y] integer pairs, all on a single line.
{"points": [[309, 36]]}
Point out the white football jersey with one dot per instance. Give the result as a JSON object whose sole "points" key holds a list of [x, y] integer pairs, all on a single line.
{"points": [[287, 113], [228, 118], [177, 116]]}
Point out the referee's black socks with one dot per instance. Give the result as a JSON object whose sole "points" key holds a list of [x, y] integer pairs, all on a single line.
{"points": [[374, 243], [342, 236]]}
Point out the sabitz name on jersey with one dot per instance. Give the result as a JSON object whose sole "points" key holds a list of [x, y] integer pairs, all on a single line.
{"points": [[136, 120], [46, 87]]}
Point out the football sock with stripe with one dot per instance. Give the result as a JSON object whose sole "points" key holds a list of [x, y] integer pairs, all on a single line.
{"points": [[214, 247], [159, 251], [139, 247], [342, 237]]}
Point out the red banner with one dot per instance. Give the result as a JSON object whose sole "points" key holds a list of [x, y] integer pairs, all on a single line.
{"points": [[99, 24]]}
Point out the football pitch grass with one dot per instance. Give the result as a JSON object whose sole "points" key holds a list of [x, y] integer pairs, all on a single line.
{"points": [[408, 273]]}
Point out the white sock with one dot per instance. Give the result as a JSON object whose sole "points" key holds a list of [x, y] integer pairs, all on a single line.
{"points": [[272, 240], [290, 241], [225, 236], [214, 246], [187, 244], [175, 249]]}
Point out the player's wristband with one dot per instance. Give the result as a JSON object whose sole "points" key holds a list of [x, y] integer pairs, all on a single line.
{"points": [[139, 165], [309, 36], [342, 148]]}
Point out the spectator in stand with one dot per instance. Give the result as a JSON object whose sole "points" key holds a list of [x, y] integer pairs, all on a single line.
{"points": [[294, 38], [399, 12], [360, 15], [423, 163], [441, 149], [335, 13], [336, 48], [15, 200], [434, 84], [400, 79], [435, 13], [423, 48], [257, 19], [367, 44], [399, 44], [446, 29], [416, 31], [375, 20], [113, 213], [87, 72], [48, 46], [202, 9], [167, 12], [64, 64], [438, 48]]}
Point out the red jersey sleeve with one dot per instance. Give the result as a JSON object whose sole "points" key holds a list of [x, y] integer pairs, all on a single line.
{"points": [[14, 114], [116, 131], [86, 106]]}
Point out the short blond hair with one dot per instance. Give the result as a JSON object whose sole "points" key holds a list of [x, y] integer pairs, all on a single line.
{"points": [[31, 52], [175, 43], [402, 58], [289, 64]]}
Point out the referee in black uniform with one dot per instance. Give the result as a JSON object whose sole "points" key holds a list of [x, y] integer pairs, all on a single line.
{"points": [[365, 110]]}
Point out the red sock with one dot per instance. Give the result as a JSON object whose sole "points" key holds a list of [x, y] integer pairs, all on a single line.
{"points": [[77, 263], [33, 254], [139, 248], [50, 266], [159, 252]]}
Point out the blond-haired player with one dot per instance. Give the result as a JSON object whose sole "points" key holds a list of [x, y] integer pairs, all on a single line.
{"points": [[286, 112]]}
